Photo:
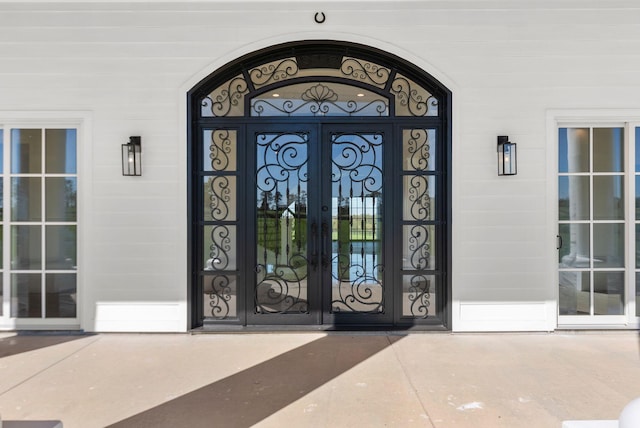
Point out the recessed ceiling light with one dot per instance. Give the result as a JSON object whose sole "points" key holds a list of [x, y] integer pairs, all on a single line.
{"points": [[276, 95], [360, 95]]}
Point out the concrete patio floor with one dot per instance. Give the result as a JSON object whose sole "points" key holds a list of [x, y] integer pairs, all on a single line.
{"points": [[318, 379]]}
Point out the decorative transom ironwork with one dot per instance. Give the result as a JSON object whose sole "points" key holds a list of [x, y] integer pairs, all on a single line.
{"points": [[373, 87]]}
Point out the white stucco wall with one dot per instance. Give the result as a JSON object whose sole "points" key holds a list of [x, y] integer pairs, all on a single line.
{"points": [[128, 66]]}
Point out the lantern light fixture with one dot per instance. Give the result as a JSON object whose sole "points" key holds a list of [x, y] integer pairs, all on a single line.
{"points": [[132, 157], [507, 156]]}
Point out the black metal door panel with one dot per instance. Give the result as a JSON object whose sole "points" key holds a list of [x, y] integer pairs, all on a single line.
{"points": [[318, 225]]}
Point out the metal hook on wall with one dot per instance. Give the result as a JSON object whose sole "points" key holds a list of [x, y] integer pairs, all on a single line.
{"points": [[320, 17]]}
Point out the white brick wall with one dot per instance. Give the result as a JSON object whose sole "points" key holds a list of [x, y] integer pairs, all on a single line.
{"points": [[131, 63]]}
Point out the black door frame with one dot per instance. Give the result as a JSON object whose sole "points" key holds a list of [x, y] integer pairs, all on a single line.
{"points": [[396, 124]]}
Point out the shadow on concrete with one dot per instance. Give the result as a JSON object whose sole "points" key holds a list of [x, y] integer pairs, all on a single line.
{"points": [[25, 342], [245, 398]]}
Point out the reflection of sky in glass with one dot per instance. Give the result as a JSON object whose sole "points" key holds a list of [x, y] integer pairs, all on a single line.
{"points": [[70, 152], [357, 162], [638, 149]]}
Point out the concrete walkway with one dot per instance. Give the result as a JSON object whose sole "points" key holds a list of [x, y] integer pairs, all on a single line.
{"points": [[318, 379]]}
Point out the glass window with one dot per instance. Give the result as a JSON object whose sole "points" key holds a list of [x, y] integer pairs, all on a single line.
{"points": [[591, 221], [43, 223]]}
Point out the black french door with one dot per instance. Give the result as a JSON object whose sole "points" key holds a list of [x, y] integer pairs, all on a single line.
{"points": [[318, 224]]}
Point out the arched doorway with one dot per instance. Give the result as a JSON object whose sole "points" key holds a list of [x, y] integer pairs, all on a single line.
{"points": [[320, 191]]}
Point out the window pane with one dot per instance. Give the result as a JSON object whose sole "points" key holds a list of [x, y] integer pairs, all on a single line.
{"points": [[319, 99], [219, 147], [1, 153], [608, 197], [60, 198], [608, 149], [418, 296], [219, 247], [608, 293], [419, 149], [637, 197], [26, 295], [419, 197], [60, 151], [574, 297], [1, 296], [412, 99], [220, 296], [574, 252], [573, 197], [220, 198], [608, 245], [1, 198], [573, 150], [61, 247], [418, 247], [637, 246], [638, 149], [26, 199], [26, 151], [26, 247], [61, 297], [638, 294]]}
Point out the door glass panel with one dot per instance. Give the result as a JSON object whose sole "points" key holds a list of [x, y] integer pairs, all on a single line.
{"points": [[60, 247], [26, 198], [573, 197], [574, 298], [60, 151], [219, 247], [281, 228], [220, 296], [608, 245], [419, 149], [608, 149], [608, 293], [26, 295], [413, 99], [220, 198], [356, 226], [418, 247], [26, 151], [61, 295], [574, 252], [608, 197], [60, 198], [418, 295], [419, 197], [573, 152], [637, 294], [26, 247], [220, 150]]}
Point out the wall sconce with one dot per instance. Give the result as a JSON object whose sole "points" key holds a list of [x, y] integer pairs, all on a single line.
{"points": [[507, 156], [132, 157]]}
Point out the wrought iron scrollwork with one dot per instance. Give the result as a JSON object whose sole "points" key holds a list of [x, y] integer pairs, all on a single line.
{"points": [[282, 266], [419, 148], [273, 72], [221, 102], [356, 268], [365, 71], [220, 248], [420, 247], [219, 197], [220, 148], [220, 294], [419, 296], [414, 98], [419, 198]]}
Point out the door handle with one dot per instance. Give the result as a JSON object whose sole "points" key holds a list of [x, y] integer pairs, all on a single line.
{"points": [[314, 245], [325, 240], [558, 242]]}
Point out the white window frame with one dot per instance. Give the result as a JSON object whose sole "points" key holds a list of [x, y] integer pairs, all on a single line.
{"points": [[81, 122], [628, 120]]}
